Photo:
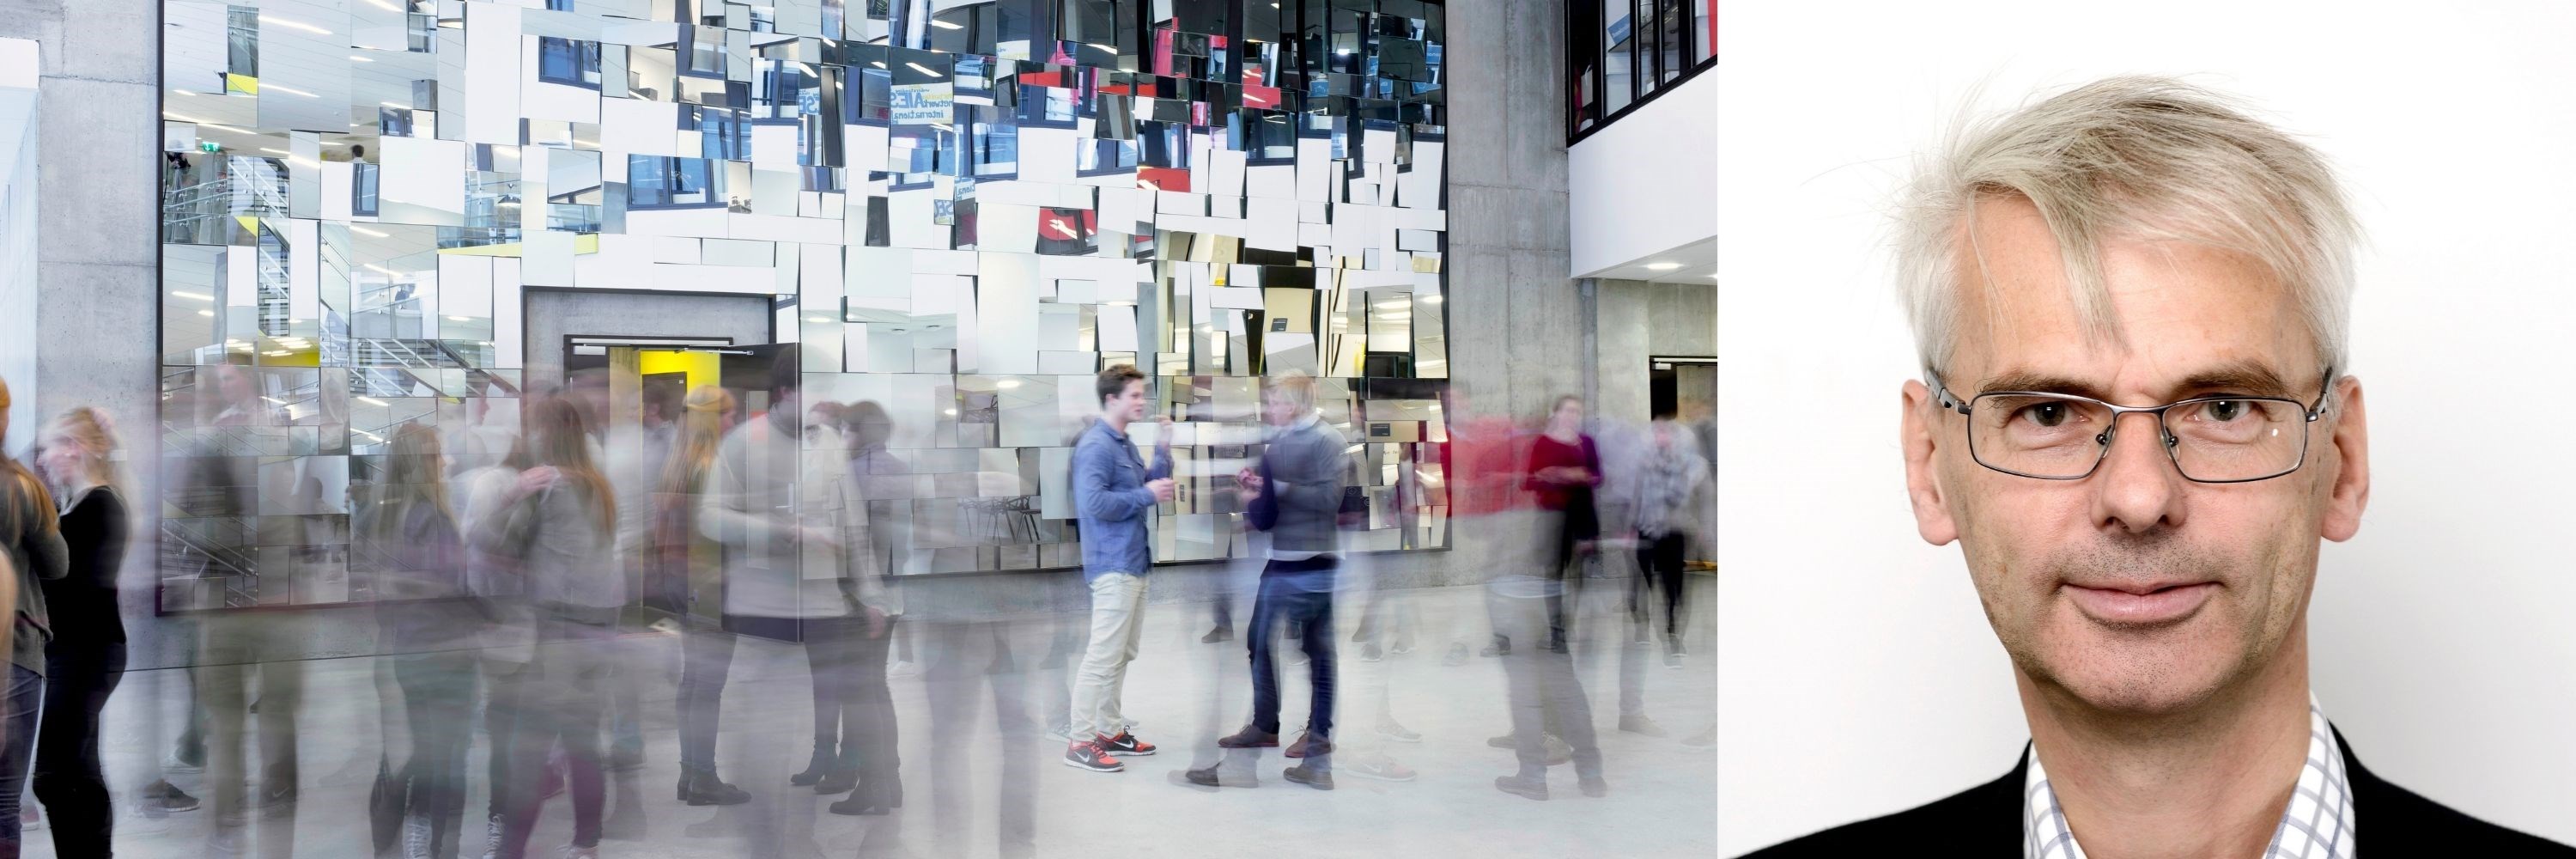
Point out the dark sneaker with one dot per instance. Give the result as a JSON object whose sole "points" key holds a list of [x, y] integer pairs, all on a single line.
{"points": [[1124, 745], [1595, 787], [1249, 738], [1526, 787], [1314, 778], [1219, 634], [1308, 746], [1090, 757], [164, 796]]}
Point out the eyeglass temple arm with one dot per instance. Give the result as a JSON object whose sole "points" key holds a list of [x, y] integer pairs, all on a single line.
{"points": [[2325, 388]]}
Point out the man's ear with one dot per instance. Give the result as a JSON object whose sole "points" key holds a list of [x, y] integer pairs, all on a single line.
{"points": [[2350, 493], [1919, 432]]}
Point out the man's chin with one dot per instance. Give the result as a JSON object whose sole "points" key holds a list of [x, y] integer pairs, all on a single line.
{"points": [[2137, 678]]}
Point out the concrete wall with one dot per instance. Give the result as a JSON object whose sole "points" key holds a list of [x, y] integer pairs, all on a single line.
{"points": [[19, 344], [1678, 319]]}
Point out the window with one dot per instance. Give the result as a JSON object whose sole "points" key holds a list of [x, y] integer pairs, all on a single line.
{"points": [[996, 150], [1105, 157], [1625, 52], [1264, 137], [723, 134], [362, 189], [657, 182], [1046, 107], [567, 61]]}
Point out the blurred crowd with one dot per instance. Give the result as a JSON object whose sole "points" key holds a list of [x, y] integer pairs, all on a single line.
{"points": [[537, 584]]}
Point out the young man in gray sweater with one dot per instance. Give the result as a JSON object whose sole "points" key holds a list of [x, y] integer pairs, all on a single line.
{"points": [[1296, 495]]}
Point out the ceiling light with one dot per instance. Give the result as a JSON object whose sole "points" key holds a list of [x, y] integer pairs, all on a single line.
{"points": [[356, 58], [1110, 48], [272, 150], [205, 313], [389, 7], [944, 25], [459, 319], [924, 70], [272, 19], [1662, 266], [818, 319], [1431, 299], [876, 63], [385, 271], [372, 233], [393, 105], [199, 296], [1007, 384], [371, 401], [277, 353], [184, 92], [291, 90]]}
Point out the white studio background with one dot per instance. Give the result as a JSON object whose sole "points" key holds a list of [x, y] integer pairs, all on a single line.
{"points": [[1857, 675]]}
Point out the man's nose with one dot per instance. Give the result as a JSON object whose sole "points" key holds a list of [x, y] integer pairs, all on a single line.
{"points": [[2137, 488]]}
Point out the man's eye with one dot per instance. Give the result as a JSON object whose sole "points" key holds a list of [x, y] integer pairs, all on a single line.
{"points": [[2045, 414], [2224, 410]]}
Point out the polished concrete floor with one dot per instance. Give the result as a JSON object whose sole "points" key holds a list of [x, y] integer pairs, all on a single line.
{"points": [[1181, 692]]}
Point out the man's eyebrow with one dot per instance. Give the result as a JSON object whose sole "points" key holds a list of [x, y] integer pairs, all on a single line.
{"points": [[2039, 382], [2251, 378]]}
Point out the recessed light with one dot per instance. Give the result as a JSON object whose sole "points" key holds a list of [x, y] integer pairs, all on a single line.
{"points": [[291, 90], [459, 319], [199, 296], [1431, 299], [924, 70], [205, 313], [946, 25], [371, 401], [356, 58], [1662, 266], [282, 22]]}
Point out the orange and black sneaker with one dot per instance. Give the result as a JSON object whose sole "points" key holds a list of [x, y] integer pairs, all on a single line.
{"points": [[1089, 756], [1124, 745]]}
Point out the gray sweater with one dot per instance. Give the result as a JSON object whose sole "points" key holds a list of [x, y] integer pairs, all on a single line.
{"points": [[1301, 492], [37, 554]]}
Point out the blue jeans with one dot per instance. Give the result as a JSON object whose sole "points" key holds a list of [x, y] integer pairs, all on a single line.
{"points": [[17, 750], [1300, 593]]}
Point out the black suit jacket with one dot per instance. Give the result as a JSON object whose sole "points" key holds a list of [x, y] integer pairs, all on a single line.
{"points": [[1986, 821]]}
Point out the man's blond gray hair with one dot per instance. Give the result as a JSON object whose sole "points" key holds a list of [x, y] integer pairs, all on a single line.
{"points": [[2129, 158]]}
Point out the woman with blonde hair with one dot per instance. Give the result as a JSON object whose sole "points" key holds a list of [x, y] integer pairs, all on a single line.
{"points": [[86, 658], [31, 538], [427, 629], [683, 555]]}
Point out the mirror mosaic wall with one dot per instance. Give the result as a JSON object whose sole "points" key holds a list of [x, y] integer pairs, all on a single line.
{"points": [[960, 211]]}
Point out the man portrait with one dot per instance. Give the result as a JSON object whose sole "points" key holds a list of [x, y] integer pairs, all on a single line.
{"points": [[2134, 417]]}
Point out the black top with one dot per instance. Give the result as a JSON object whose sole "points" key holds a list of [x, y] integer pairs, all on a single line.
{"points": [[1986, 821], [83, 603]]}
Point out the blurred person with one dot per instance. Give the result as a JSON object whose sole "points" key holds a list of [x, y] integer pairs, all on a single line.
{"points": [[1295, 493], [868, 705], [1114, 495], [2148, 568], [978, 639], [506, 639], [1564, 469], [1670, 478], [429, 628], [637, 458], [1480, 466], [86, 657], [768, 500], [683, 554], [31, 537], [248, 664], [588, 390], [559, 520]]}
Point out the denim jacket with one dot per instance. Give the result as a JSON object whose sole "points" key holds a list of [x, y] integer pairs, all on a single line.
{"points": [[1111, 502]]}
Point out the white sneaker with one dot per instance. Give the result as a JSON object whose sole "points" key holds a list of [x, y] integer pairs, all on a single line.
{"points": [[571, 852], [492, 840], [416, 837], [903, 669]]}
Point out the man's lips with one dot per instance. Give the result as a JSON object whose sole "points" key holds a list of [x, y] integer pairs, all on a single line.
{"points": [[2140, 604]]}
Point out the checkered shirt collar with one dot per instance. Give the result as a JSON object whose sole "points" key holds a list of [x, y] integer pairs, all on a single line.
{"points": [[2317, 825]]}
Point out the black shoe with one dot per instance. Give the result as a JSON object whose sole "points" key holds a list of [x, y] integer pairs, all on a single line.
{"points": [[624, 761], [1532, 788], [162, 796], [702, 787], [874, 798], [1314, 778], [1219, 634], [815, 768]]}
